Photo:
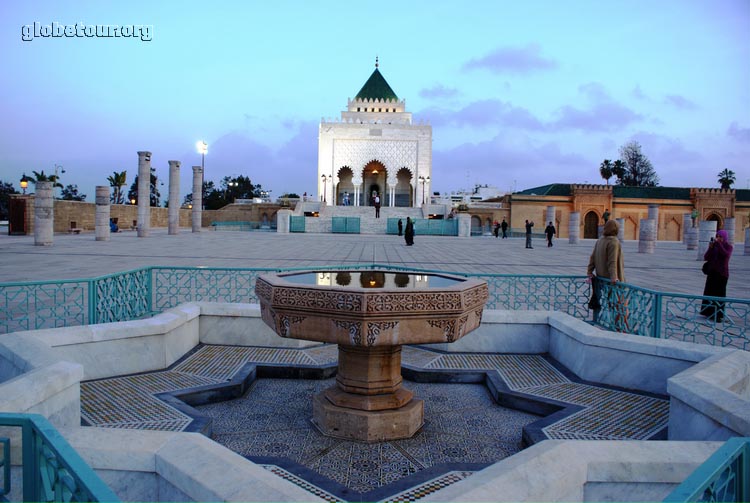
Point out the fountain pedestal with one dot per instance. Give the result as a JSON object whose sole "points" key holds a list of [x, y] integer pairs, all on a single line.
{"points": [[370, 319], [368, 402]]}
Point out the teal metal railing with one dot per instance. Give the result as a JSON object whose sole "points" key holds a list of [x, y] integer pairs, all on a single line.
{"points": [[52, 469], [244, 226], [345, 225], [725, 476], [142, 292], [425, 226]]}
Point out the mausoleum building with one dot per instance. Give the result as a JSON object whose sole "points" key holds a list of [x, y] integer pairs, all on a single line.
{"points": [[374, 148]]}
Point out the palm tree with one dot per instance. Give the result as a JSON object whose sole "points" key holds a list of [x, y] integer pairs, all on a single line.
{"points": [[726, 178], [117, 181], [41, 177], [606, 170], [618, 169]]}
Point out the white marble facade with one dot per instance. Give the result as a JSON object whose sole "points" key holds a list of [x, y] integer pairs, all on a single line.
{"points": [[374, 147]]}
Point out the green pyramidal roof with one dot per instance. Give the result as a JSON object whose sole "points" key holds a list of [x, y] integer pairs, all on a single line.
{"points": [[376, 88]]}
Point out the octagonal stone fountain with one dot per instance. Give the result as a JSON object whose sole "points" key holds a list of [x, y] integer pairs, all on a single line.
{"points": [[370, 315]]}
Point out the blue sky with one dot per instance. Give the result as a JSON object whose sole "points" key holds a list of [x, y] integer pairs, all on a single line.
{"points": [[519, 94]]}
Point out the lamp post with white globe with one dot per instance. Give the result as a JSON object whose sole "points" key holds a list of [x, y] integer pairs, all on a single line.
{"points": [[202, 147]]}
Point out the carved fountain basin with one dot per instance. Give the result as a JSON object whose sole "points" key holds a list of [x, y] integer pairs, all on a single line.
{"points": [[370, 314]]}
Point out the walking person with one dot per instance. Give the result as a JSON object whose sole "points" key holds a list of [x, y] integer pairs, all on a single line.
{"points": [[409, 232], [608, 263], [496, 229], [716, 269], [606, 215], [529, 225], [400, 227], [549, 231], [376, 200], [504, 228]]}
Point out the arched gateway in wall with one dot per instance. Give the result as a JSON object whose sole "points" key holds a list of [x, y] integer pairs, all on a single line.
{"points": [[374, 148]]}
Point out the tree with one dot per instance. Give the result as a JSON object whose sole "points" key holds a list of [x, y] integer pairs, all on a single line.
{"points": [[618, 168], [41, 177], [637, 170], [70, 193], [6, 189], [726, 178], [153, 190], [606, 170], [230, 188], [117, 181]]}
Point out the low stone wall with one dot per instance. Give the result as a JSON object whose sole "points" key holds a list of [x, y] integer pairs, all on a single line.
{"points": [[711, 400]]}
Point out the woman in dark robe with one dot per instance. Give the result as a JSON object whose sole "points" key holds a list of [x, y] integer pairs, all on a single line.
{"points": [[717, 275], [409, 232]]}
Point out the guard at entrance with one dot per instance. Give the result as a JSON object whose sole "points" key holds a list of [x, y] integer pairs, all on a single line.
{"points": [[376, 202]]}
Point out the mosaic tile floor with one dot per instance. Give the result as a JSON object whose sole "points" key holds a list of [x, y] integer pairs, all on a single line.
{"points": [[464, 430]]}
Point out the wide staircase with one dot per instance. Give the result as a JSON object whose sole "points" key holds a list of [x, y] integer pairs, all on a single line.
{"points": [[368, 224]]}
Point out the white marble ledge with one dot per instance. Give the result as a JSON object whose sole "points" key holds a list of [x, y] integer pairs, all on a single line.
{"points": [[593, 336], [515, 317], [156, 325], [118, 449], [27, 390], [704, 387], [556, 470], [207, 471], [227, 309]]}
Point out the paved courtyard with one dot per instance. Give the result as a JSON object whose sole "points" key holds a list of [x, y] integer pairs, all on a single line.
{"points": [[671, 268]]}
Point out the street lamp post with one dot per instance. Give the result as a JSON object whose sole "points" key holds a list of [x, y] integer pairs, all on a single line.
{"points": [[325, 179], [202, 147], [423, 180], [24, 183], [62, 171]]}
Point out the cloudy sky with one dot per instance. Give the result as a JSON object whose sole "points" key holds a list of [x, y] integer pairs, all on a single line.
{"points": [[519, 94]]}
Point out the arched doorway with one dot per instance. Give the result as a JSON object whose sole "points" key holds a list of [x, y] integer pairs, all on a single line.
{"points": [[404, 191], [591, 225], [373, 176], [715, 217], [476, 226], [345, 186]]}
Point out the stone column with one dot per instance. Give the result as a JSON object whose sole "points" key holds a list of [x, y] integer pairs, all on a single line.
{"points": [[392, 195], [620, 229], [687, 223], [464, 225], [101, 217], [197, 198], [691, 237], [706, 230], [653, 214], [574, 227], [144, 193], [647, 235], [282, 221], [729, 226], [747, 241], [550, 216], [44, 214], [173, 212]]}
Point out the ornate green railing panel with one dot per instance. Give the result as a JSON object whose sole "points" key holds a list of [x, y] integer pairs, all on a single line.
{"points": [[52, 470], [43, 304], [568, 294], [725, 476], [122, 296], [296, 224], [626, 308], [175, 285]]}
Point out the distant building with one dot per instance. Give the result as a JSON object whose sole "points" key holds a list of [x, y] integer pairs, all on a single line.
{"points": [[375, 148]]}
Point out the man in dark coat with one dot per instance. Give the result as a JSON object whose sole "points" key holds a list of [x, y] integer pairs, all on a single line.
{"points": [[549, 231], [409, 232], [400, 227], [504, 227]]}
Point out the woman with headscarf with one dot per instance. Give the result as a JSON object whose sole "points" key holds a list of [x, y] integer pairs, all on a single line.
{"points": [[608, 263], [409, 232], [717, 275]]}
